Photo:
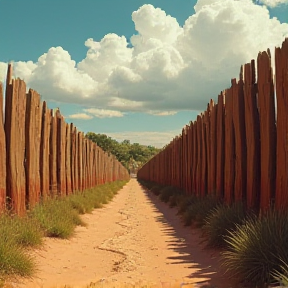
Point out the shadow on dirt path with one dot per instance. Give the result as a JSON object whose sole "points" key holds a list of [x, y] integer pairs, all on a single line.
{"points": [[190, 247]]}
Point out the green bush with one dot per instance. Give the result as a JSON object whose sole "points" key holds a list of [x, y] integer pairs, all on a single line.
{"points": [[199, 209], [175, 200], [167, 192], [156, 189], [184, 202], [254, 248], [222, 220]]}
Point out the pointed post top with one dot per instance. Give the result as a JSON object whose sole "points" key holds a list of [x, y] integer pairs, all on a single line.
{"points": [[9, 74]]}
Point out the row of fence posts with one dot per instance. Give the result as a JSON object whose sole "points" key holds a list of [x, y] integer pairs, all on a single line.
{"points": [[41, 155], [238, 148]]}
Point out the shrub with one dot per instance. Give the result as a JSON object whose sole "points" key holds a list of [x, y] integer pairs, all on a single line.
{"points": [[254, 248], [167, 192], [156, 189], [281, 274], [220, 221], [199, 209], [175, 199], [184, 202]]}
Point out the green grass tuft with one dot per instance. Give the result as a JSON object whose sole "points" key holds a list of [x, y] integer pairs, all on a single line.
{"points": [[167, 192], [56, 217], [156, 189], [16, 234], [199, 209], [222, 220], [254, 248]]}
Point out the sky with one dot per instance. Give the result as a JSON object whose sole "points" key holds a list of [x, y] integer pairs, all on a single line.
{"points": [[133, 69]]}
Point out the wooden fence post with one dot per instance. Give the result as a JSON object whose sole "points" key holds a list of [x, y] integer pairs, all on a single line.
{"points": [[213, 146], [15, 108], [68, 168], [53, 155], [2, 155], [267, 129], [229, 148], [32, 147], [45, 151], [240, 140], [220, 140], [281, 59], [61, 151], [252, 136]]}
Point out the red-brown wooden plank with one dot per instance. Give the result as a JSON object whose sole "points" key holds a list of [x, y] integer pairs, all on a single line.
{"points": [[68, 169], [240, 140], [45, 151], [252, 136], [229, 149], [2, 155], [53, 156], [267, 129], [220, 157], [15, 108], [281, 63], [32, 146]]}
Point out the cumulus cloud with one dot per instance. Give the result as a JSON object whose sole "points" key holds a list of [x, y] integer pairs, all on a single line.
{"points": [[167, 67], [3, 71], [273, 3], [81, 116], [102, 113]]}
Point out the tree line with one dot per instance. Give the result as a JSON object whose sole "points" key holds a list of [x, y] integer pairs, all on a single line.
{"points": [[131, 155]]}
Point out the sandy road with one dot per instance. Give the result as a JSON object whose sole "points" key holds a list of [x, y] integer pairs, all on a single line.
{"points": [[133, 238]]}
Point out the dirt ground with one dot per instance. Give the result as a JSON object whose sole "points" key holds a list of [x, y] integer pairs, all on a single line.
{"points": [[134, 238]]}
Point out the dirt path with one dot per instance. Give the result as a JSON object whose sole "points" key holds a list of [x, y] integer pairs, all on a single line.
{"points": [[134, 238]]}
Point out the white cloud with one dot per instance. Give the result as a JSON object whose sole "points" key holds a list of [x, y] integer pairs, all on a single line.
{"points": [[3, 71], [273, 3], [102, 113], [167, 68], [81, 116], [162, 113], [157, 139]]}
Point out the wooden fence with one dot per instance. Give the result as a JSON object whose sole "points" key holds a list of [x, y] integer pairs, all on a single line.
{"points": [[41, 155], [238, 148]]}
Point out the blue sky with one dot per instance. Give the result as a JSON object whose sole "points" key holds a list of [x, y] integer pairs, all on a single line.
{"points": [[82, 57]]}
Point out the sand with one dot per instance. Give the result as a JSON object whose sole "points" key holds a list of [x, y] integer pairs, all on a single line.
{"points": [[134, 238]]}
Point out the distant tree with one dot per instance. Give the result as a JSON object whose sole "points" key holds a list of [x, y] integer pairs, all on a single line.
{"points": [[132, 156]]}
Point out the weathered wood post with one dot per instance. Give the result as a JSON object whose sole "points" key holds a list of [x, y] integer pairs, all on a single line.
{"points": [[2, 155], [32, 147], [15, 108]]}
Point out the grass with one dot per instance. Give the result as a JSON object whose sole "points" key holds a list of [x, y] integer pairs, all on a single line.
{"points": [[221, 221], [198, 210], [169, 191], [55, 217], [254, 248], [281, 274], [156, 189], [16, 235]]}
